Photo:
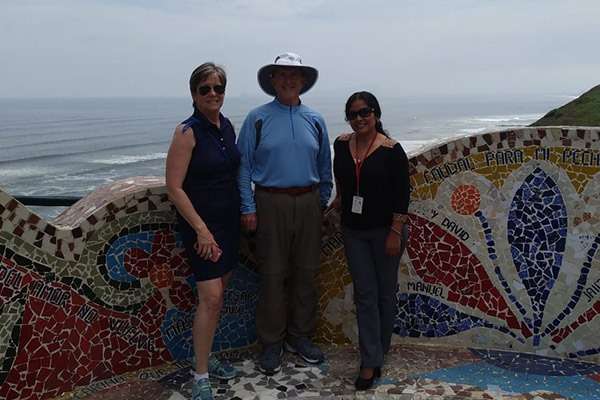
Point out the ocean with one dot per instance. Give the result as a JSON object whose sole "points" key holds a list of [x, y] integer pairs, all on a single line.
{"points": [[71, 146]]}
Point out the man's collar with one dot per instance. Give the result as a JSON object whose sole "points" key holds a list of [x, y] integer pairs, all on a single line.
{"points": [[276, 100]]}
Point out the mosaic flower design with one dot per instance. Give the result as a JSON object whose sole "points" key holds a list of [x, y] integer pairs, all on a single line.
{"points": [[465, 199], [468, 297], [162, 263], [158, 257], [537, 231], [417, 309], [440, 258]]}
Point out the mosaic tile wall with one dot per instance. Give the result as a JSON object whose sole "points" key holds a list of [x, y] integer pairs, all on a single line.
{"points": [[100, 291], [504, 232]]}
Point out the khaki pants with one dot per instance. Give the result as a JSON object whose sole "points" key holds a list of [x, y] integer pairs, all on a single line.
{"points": [[288, 245]]}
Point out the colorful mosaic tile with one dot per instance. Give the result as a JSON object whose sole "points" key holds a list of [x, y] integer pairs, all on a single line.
{"points": [[502, 256], [411, 372], [503, 238], [80, 304]]}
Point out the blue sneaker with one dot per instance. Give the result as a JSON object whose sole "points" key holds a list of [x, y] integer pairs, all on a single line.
{"points": [[220, 369], [201, 390], [306, 349], [269, 361]]}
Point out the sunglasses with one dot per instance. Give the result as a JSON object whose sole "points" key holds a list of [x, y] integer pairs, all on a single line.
{"points": [[204, 90], [363, 112]]}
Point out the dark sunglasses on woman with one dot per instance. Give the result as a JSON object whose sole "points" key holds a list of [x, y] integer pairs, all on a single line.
{"points": [[204, 90], [363, 112]]}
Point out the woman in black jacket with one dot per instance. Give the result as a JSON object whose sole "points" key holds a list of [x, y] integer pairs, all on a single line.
{"points": [[371, 172]]}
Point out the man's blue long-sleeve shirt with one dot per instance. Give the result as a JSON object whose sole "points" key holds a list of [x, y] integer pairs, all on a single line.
{"points": [[289, 153]]}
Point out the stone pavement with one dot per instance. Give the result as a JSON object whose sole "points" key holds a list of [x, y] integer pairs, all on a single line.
{"points": [[411, 372]]}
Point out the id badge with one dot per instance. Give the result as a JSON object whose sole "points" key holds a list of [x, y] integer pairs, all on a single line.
{"points": [[357, 204]]}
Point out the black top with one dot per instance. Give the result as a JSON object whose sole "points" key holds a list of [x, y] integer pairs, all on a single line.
{"points": [[384, 184], [211, 185], [215, 157]]}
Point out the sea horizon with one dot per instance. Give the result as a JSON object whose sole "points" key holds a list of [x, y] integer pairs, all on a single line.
{"points": [[70, 146]]}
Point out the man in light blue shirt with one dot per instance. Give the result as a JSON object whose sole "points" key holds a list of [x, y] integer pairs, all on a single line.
{"points": [[285, 153]]}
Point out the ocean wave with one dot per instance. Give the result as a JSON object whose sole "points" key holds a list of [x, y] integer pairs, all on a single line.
{"points": [[24, 172], [60, 125], [472, 131], [62, 155], [66, 183], [120, 160], [39, 143], [494, 119]]}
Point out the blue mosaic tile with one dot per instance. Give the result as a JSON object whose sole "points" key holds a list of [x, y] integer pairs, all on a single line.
{"points": [[581, 283], [484, 375], [115, 255], [423, 316], [177, 334], [492, 255], [584, 353], [536, 246], [534, 364], [237, 327]]}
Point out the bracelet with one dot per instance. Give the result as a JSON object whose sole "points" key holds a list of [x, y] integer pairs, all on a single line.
{"points": [[396, 231]]}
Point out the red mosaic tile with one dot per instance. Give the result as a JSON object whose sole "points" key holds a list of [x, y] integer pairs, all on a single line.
{"points": [[558, 335], [465, 199], [469, 277]]}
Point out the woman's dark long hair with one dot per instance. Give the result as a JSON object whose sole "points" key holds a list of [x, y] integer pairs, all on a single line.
{"points": [[372, 103]]}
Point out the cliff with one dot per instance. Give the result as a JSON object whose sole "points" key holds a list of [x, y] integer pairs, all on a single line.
{"points": [[583, 111]]}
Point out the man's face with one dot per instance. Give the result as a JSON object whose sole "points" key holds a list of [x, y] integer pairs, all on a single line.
{"points": [[287, 82]]}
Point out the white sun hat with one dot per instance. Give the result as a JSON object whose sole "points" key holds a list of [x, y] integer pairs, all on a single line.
{"points": [[286, 60]]}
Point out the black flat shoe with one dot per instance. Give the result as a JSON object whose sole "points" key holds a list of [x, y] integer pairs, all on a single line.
{"points": [[364, 384], [367, 383]]}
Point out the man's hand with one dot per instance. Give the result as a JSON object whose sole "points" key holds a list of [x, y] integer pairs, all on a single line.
{"points": [[249, 222]]}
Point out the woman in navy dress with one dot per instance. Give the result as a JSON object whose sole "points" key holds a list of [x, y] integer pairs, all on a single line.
{"points": [[201, 175]]}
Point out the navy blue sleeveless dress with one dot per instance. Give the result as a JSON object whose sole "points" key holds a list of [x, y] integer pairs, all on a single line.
{"points": [[211, 185]]}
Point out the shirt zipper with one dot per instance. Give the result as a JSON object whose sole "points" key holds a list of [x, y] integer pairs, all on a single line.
{"points": [[292, 125]]}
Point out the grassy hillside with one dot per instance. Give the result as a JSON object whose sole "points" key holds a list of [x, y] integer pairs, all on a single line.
{"points": [[583, 111]]}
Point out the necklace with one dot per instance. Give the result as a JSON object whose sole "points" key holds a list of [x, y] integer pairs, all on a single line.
{"points": [[358, 159]]}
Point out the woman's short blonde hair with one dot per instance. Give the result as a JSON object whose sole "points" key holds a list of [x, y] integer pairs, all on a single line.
{"points": [[202, 72]]}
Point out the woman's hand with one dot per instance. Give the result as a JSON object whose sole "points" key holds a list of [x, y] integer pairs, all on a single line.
{"points": [[393, 244], [206, 246]]}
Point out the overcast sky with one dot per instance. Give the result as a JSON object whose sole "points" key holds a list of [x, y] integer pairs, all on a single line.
{"points": [[95, 48]]}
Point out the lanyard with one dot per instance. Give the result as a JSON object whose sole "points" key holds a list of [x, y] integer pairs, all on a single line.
{"points": [[359, 161]]}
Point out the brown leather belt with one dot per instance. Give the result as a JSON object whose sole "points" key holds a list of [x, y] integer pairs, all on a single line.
{"points": [[292, 191]]}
